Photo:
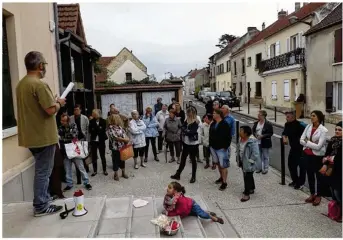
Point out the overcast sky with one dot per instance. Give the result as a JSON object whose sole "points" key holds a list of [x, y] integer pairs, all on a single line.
{"points": [[172, 37]]}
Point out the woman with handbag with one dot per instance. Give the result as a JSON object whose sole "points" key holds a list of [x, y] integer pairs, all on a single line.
{"points": [[137, 136], [190, 138], [151, 133], [118, 140], [314, 141], [68, 134]]}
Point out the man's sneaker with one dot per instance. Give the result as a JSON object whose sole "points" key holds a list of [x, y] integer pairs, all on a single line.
{"points": [[67, 188], [258, 171], [223, 186], [52, 209], [172, 160], [297, 187], [88, 186], [292, 184], [218, 181]]}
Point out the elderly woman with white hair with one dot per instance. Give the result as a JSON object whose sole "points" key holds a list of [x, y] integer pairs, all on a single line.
{"points": [[136, 130]]}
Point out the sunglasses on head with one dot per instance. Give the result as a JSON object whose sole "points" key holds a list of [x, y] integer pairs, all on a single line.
{"points": [[338, 129]]}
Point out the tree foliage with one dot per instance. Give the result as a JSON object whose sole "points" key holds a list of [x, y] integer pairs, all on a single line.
{"points": [[225, 39]]}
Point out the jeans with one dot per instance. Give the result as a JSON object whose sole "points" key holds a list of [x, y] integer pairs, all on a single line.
{"points": [[249, 182], [116, 161], [44, 163], [138, 151], [102, 148], [177, 146], [160, 140], [294, 161], [199, 212], [153, 144], [69, 174], [263, 165], [190, 150], [207, 153], [221, 157], [313, 164]]}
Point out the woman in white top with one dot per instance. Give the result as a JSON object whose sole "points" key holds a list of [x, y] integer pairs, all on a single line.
{"points": [[314, 141], [136, 130]]}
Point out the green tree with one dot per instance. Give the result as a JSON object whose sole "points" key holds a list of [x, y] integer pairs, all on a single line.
{"points": [[225, 39]]}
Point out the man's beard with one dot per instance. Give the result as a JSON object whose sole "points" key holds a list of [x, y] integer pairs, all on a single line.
{"points": [[43, 72]]}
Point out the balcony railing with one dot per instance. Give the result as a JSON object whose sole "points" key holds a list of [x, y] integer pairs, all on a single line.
{"points": [[294, 57]]}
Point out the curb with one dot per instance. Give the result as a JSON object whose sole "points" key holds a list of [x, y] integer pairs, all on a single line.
{"points": [[249, 116]]}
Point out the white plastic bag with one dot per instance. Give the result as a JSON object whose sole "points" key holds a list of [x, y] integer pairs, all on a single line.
{"points": [[162, 221], [79, 149]]}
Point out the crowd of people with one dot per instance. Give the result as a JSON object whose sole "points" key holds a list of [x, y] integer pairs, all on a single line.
{"points": [[182, 132]]}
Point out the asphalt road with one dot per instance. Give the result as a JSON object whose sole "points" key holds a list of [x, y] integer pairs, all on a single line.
{"points": [[275, 152]]}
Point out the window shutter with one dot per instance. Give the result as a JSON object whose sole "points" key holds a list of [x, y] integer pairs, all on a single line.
{"points": [[286, 89], [329, 96], [302, 40], [268, 52], [288, 45], [277, 48], [274, 92], [299, 39], [338, 46]]}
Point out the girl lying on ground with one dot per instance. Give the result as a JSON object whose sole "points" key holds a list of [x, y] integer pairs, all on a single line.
{"points": [[176, 204]]}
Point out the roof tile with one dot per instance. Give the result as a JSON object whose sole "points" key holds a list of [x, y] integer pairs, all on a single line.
{"points": [[103, 63], [283, 23], [335, 17]]}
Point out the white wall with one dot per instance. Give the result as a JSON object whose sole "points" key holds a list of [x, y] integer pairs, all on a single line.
{"points": [[119, 76]]}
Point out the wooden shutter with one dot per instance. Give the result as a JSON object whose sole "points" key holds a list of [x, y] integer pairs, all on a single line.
{"points": [[338, 46], [274, 91], [268, 52], [329, 97], [288, 44], [286, 89], [277, 48], [302, 40]]}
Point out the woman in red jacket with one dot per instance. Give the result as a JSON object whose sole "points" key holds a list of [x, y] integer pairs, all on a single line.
{"points": [[176, 204]]}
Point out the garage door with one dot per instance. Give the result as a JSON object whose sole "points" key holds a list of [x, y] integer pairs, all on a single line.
{"points": [[150, 98], [125, 102]]}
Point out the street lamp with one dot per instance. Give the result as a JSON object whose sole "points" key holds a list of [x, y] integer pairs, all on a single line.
{"points": [[294, 19]]}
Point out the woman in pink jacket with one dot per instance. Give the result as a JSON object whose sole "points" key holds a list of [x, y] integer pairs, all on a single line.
{"points": [[176, 204]]}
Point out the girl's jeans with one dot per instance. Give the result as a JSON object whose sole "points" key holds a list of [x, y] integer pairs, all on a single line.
{"points": [[79, 165], [199, 212]]}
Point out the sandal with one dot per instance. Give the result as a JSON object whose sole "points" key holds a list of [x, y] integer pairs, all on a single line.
{"points": [[317, 201]]}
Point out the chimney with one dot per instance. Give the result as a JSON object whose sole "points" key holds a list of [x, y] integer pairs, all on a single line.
{"points": [[282, 14], [263, 26], [297, 6], [305, 3], [251, 29]]}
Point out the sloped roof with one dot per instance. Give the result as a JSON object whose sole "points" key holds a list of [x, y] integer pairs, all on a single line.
{"points": [[103, 63], [69, 17], [228, 48], [194, 73], [333, 18], [283, 23]]}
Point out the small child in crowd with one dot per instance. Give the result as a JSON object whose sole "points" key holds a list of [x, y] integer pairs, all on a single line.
{"points": [[176, 204], [205, 135]]}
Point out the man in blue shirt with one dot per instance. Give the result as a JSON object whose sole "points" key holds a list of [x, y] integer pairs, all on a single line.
{"points": [[229, 119]]}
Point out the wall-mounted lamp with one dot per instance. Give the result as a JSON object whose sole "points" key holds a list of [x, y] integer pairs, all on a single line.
{"points": [[294, 19]]}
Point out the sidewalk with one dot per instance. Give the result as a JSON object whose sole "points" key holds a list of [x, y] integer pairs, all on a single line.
{"points": [[280, 117]]}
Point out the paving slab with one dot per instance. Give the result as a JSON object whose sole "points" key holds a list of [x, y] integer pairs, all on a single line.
{"points": [[120, 235], [114, 226], [18, 221], [118, 208], [147, 210], [142, 226], [293, 221]]}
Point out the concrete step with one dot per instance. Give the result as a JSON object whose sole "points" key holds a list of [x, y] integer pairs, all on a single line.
{"points": [[19, 222]]}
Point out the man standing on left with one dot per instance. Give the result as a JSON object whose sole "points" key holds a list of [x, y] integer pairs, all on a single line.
{"points": [[37, 128]]}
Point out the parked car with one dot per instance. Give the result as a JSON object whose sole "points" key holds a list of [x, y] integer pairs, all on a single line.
{"points": [[210, 96], [228, 98], [201, 95], [192, 93]]}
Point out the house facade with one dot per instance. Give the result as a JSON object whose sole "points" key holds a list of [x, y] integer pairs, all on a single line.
{"points": [[238, 65], [212, 73], [201, 79], [324, 66], [124, 67], [284, 68], [23, 24]]}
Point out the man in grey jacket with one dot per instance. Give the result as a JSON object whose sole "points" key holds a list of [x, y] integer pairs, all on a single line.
{"points": [[82, 124]]}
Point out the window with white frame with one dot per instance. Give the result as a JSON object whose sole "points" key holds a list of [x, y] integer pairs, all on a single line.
{"points": [[337, 96], [249, 62], [274, 91], [286, 90], [294, 42]]}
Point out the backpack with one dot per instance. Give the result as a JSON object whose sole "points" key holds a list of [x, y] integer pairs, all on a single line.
{"points": [[334, 210]]}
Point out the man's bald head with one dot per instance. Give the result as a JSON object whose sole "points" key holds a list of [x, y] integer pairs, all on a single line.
{"points": [[226, 110]]}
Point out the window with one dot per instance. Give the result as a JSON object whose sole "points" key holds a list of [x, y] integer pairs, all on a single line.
{"points": [[338, 46], [222, 68], [258, 60], [228, 66], [234, 87], [8, 117], [249, 62], [128, 76], [294, 42], [338, 96], [294, 90], [272, 52], [274, 90], [286, 90], [258, 89], [243, 66], [240, 88], [234, 68], [329, 97], [333, 96]]}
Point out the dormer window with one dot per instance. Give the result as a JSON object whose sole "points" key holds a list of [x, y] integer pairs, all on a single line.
{"points": [[128, 76]]}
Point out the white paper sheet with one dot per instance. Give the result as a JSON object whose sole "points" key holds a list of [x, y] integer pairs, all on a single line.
{"points": [[68, 89], [139, 203]]}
